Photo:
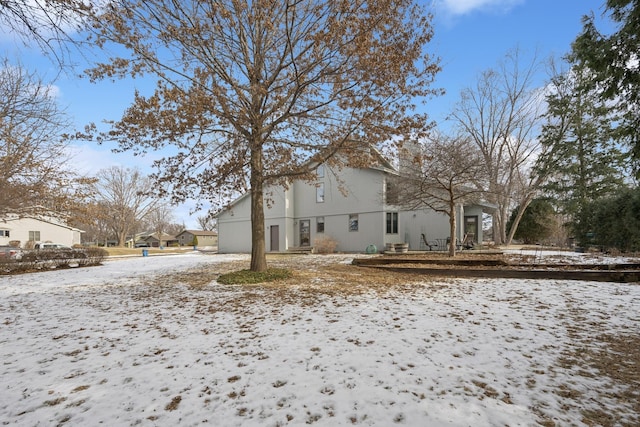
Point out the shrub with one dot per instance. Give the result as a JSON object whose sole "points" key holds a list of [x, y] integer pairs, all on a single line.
{"points": [[324, 245], [95, 255], [47, 259]]}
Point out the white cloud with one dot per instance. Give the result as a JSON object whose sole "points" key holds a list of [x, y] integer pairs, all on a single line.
{"points": [[87, 160], [462, 7]]}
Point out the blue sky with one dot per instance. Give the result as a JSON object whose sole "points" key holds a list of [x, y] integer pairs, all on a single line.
{"points": [[470, 37], [474, 35]]}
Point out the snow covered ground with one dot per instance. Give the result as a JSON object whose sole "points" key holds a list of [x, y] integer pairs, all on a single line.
{"points": [[130, 343]]}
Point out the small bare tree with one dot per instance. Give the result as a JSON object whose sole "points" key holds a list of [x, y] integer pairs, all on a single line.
{"points": [[160, 218], [125, 193], [442, 174], [94, 220]]}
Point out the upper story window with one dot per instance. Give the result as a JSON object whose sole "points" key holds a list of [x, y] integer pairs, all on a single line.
{"points": [[320, 171], [320, 192], [391, 192]]}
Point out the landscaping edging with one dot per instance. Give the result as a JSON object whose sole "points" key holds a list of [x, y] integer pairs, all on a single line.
{"points": [[498, 268]]}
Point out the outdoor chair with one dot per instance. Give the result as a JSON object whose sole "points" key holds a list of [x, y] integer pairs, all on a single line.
{"points": [[426, 243]]}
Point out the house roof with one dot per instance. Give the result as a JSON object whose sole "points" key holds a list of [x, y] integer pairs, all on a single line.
{"points": [[200, 232], [8, 218], [155, 236]]}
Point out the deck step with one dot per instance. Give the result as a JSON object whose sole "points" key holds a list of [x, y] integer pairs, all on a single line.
{"points": [[300, 250]]}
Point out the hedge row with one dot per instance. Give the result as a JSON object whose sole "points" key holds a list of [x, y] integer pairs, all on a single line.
{"points": [[50, 259]]}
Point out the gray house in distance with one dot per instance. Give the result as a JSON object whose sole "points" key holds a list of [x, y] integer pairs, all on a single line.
{"points": [[205, 238], [354, 219]]}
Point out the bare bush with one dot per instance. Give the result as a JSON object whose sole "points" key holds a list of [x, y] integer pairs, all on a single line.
{"points": [[325, 245]]}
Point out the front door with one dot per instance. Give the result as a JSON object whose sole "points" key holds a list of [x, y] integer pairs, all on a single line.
{"points": [[305, 232], [275, 238], [471, 228]]}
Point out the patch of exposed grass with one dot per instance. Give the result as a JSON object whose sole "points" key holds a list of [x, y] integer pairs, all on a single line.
{"points": [[248, 277], [117, 251]]}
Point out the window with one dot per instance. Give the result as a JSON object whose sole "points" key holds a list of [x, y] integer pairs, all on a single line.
{"points": [[353, 222], [305, 232], [320, 192], [320, 224], [320, 171], [4, 233], [392, 222], [391, 192], [34, 236]]}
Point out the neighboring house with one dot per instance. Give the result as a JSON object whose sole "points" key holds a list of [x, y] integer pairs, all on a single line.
{"points": [[37, 229], [136, 238], [205, 238], [155, 241], [355, 218]]}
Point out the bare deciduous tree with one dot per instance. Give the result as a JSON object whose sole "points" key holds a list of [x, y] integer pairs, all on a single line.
{"points": [[443, 173], [32, 146], [94, 221], [502, 114], [125, 193], [48, 23], [160, 218], [207, 223], [256, 93]]}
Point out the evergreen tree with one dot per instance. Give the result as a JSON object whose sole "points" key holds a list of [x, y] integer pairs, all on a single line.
{"points": [[536, 223], [614, 222], [613, 59], [581, 159]]}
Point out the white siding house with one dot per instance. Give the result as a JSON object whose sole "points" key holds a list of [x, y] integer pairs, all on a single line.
{"points": [[350, 209], [24, 229]]}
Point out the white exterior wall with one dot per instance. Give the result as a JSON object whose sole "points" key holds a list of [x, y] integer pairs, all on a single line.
{"points": [[413, 224], [233, 233], [364, 197], [49, 232], [234, 225]]}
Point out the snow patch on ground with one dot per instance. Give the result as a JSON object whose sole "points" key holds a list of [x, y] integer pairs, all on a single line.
{"points": [[114, 345]]}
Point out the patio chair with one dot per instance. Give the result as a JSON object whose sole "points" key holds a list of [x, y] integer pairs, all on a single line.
{"points": [[426, 243]]}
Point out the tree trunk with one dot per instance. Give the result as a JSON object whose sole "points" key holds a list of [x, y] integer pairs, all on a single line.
{"points": [[516, 222], [122, 238], [258, 252], [452, 229]]}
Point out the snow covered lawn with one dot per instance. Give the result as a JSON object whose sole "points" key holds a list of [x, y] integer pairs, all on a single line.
{"points": [[157, 341]]}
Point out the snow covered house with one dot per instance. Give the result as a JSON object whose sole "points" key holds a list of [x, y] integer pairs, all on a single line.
{"points": [[355, 219], [37, 229]]}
